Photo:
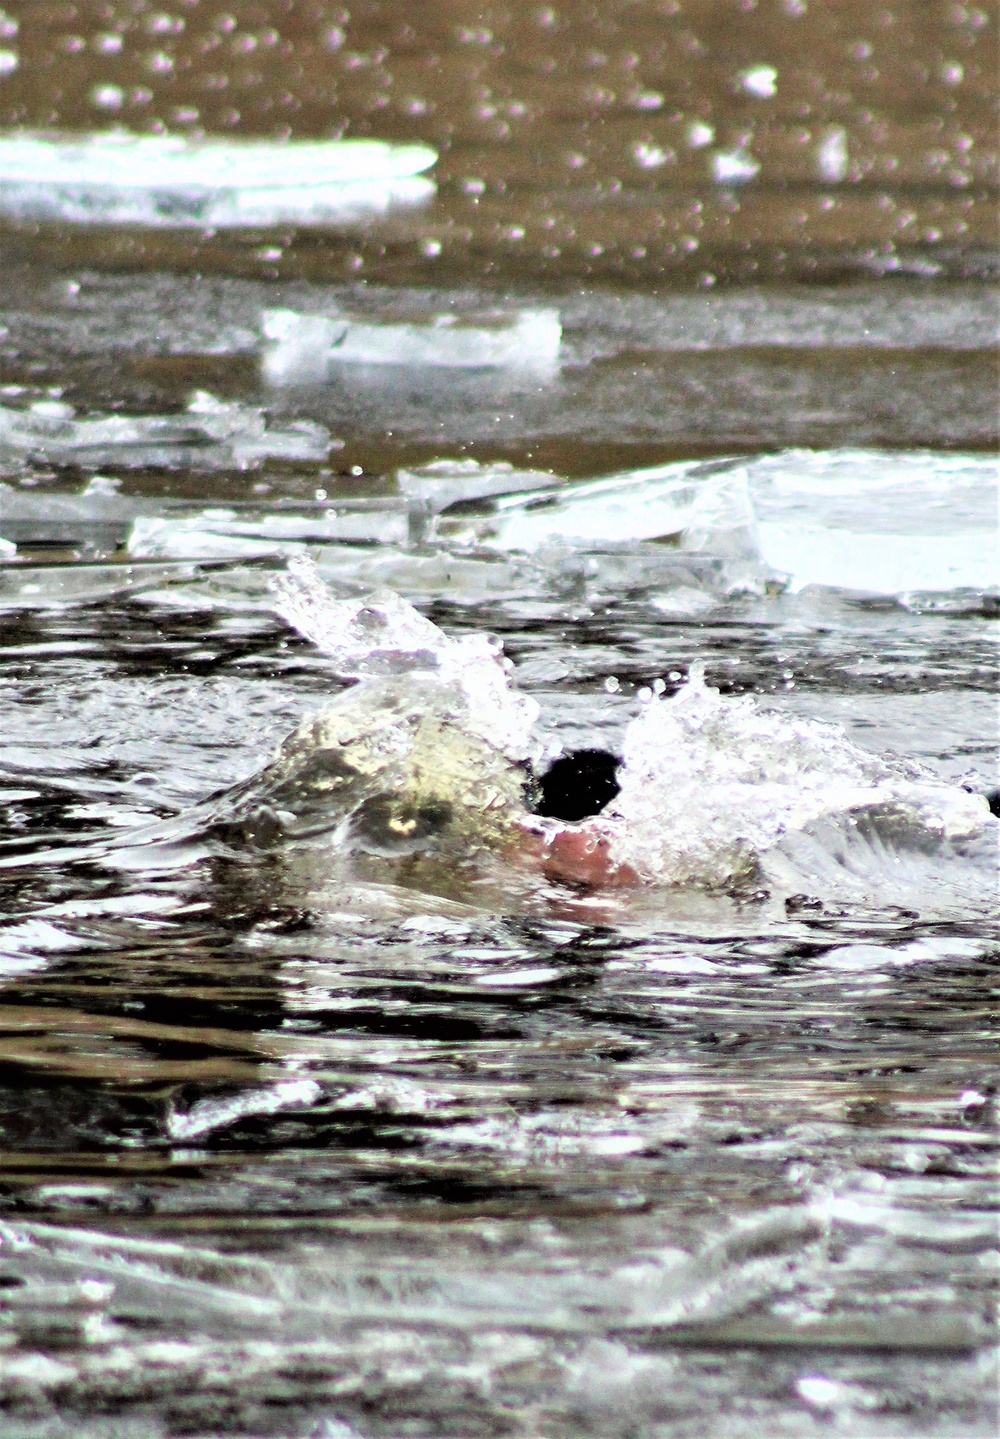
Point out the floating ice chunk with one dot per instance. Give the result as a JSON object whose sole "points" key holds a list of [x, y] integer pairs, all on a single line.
{"points": [[706, 506], [443, 483], [833, 518], [38, 587], [221, 534], [734, 167], [881, 523], [172, 180], [299, 348], [211, 433], [430, 489], [156, 537], [303, 347], [99, 519], [433, 573], [245, 430], [831, 156]]}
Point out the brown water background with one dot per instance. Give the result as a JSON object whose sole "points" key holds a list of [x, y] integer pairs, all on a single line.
{"points": [[575, 139]]}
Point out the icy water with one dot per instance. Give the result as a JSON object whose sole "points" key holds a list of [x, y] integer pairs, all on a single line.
{"points": [[330, 1111]]}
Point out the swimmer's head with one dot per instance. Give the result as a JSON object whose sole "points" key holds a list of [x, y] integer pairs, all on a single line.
{"points": [[578, 785]]}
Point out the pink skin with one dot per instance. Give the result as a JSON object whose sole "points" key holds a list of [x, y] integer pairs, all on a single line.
{"points": [[577, 854]]}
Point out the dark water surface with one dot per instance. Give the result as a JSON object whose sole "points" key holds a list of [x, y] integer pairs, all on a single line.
{"points": [[402, 1150]]}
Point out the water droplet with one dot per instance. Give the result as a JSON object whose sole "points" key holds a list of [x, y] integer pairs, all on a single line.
{"points": [[831, 155], [107, 97], [699, 135], [760, 80]]}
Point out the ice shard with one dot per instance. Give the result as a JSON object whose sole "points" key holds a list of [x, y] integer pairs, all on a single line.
{"points": [[113, 177], [209, 434], [303, 348]]}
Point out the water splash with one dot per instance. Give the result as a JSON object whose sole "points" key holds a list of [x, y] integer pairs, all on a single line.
{"points": [[709, 784]]}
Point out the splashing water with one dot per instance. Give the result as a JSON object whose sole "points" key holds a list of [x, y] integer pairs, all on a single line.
{"points": [[384, 634], [709, 784], [433, 738]]}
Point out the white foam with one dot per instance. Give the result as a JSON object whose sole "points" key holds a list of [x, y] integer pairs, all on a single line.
{"points": [[303, 347], [172, 180], [211, 1114]]}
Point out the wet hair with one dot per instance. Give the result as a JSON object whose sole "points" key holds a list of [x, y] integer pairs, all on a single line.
{"points": [[577, 784]]}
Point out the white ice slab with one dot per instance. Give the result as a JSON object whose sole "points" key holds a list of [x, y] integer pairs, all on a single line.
{"points": [[864, 520], [169, 180], [881, 522], [304, 347], [685, 498], [884, 564]]}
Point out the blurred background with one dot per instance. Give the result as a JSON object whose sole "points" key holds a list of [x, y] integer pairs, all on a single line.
{"points": [[657, 140]]}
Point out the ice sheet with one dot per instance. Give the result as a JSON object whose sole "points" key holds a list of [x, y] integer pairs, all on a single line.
{"points": [[303, 347], [171, 180], [863, 520], [879, 522]]}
